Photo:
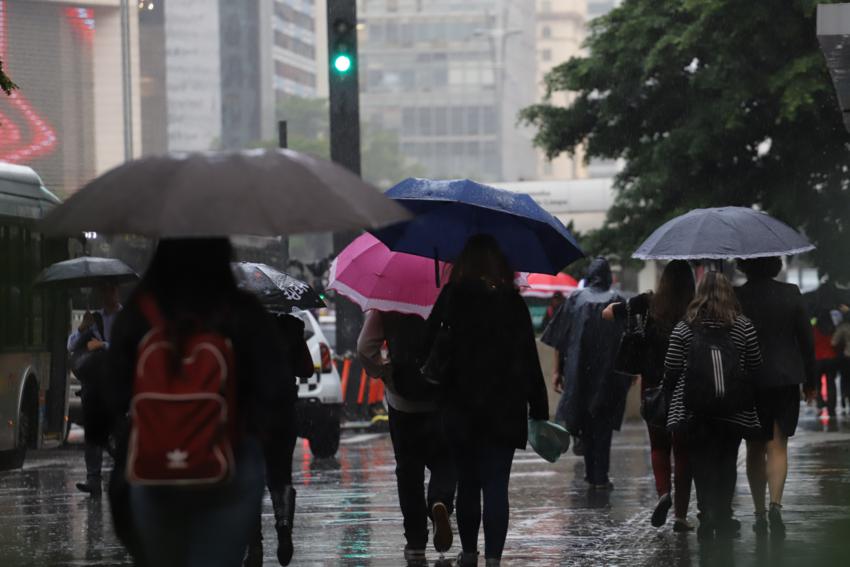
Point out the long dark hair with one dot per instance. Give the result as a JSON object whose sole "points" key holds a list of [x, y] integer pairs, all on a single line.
{"points": [[715, 300], [192, 283], [675, 292], [482, 259]]}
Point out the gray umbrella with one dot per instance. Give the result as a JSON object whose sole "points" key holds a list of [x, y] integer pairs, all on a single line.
{"points": [[722, 233], [253, 192], [87, 271]]}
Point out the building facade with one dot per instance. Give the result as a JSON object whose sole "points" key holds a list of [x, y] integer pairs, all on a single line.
{"points": [[561, 29], [450, 78]]}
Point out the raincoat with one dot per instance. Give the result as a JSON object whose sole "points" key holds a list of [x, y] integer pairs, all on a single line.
{"points": [[588, 346]]}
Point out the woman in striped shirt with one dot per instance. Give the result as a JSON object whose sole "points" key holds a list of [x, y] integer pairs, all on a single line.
{"points": [[714, 439]]}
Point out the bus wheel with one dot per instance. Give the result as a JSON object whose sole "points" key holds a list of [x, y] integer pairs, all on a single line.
{"points": [[27, 425]]}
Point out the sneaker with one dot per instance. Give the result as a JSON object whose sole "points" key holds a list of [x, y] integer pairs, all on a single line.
{"points": [[728, 529], [659, 515], [774, 516], [92, 489], [465, 559], [681, 525], [414, 556], [493, 562], [442, 527], [760, 525]]}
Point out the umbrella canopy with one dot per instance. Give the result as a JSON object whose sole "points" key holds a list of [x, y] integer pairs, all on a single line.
{"points": [[276, 290], [87, 271], [448, 212], [545, 285], [252, 192], [722, 233], [375, 277]]}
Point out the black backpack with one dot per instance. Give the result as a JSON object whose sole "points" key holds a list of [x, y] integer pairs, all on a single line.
{"points": [[715, 385], [405, 336]]}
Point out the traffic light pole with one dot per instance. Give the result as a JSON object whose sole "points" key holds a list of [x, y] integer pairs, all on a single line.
{"points": [[345, 138]]}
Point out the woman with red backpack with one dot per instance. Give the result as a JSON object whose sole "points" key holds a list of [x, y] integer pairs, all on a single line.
{"points": [[709, 372], [201, 371]]}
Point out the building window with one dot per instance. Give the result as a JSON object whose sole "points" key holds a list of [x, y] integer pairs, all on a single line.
{"points": [[546, 32], [546, 55]]}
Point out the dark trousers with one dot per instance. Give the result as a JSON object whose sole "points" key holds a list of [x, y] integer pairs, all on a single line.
{"points": [[667, 449], [419, 442], [94, 462], [844, 369], [484, 470], [714, 461], [596, 437], [278, 455]]}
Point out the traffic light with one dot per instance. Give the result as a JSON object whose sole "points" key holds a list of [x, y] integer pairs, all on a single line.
{"points": [[343, 46]]}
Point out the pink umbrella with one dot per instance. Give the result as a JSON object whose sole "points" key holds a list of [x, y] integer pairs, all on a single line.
{"points": [[375, 277], [545, 285]]}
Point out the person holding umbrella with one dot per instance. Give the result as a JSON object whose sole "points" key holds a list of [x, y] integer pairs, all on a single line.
{"points": [[778, 313]]}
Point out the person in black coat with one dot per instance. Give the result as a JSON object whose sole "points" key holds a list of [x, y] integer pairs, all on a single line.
{"points": [[785, 335], [494, 377]]}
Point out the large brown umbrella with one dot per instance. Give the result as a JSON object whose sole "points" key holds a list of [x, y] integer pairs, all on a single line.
{"points": [[252, 192]]}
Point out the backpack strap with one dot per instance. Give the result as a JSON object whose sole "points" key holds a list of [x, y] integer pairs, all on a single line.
{"points": [[150, 310]]}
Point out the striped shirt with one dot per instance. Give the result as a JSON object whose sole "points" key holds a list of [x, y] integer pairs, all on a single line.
{"points": [[675, 370]]}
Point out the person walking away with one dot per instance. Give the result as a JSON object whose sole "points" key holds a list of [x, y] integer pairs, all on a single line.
{"points": [[778, 314], [710, 367], [593, 394], [826, 360], [188, 298], [661, 311], [278, 449], [88, 346], [416, 430], [481, 334], [841, 342]]}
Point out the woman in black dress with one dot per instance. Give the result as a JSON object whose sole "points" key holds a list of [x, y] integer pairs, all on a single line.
{"points": [[661, 311]]}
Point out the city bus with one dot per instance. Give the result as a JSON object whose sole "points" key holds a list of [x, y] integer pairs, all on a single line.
{"points": [[34, 323]]}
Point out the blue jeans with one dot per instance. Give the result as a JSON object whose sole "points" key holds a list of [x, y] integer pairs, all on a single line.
{"points": [[484, 469], [194, 528]]}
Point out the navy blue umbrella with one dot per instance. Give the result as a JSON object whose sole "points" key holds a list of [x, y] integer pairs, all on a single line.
{"points": [[448, 212]]}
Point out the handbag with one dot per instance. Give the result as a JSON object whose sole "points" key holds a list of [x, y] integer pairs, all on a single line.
{"points": [[653, 406], [632, 349], [549, 440]]}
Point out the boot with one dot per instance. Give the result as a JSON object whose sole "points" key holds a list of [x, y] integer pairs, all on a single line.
{"points": [[283, 502], [254, 556], [465, 559]]}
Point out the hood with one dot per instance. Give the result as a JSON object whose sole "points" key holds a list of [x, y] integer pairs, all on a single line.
{"points": [[599, 274]]}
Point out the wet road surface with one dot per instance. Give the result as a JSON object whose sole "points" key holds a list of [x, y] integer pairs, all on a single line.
{"points": [[348, 512]]}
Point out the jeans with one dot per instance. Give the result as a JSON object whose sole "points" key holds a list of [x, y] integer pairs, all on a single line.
{"points": [[662, 444], [484, 469], [714, 461], [419, 442], [201, 527], [94, 463], [596, 437]]}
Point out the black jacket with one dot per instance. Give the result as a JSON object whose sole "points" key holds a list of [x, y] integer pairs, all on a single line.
{"points": [[785, 335], [496, 375]]}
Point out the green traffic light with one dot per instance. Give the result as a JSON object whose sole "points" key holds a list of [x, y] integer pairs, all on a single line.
{"points": [[342, 63]]}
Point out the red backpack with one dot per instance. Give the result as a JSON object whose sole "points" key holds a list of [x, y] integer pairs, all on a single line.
{"points": [[183, 422]]}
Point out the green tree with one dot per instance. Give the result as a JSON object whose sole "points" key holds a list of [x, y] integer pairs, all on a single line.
{"points": [[6, 83], [709, 102]]}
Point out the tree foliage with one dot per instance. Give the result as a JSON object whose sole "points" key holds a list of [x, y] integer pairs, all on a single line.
{"points": [[709, 103], [6, 83]]}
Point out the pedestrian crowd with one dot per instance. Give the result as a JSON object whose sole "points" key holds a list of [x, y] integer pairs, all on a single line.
{"points": [[717, 365]]}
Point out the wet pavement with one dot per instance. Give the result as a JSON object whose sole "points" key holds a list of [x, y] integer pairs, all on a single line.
{"points": [[348, 513]]}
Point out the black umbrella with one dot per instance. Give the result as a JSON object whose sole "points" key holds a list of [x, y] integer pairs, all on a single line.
{"points": [[276, 290], [252, 192], [722, 233], [87, 271]]}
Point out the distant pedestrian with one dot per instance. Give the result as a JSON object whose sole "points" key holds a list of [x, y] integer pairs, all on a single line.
{"points": [[188, 299], [659, 313], [554, 304], [779, 316], [710, 366], [416, 428], [278, 449], [481, 332], [88, 347], [593, 399], [841, 342], [826, 360]]}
